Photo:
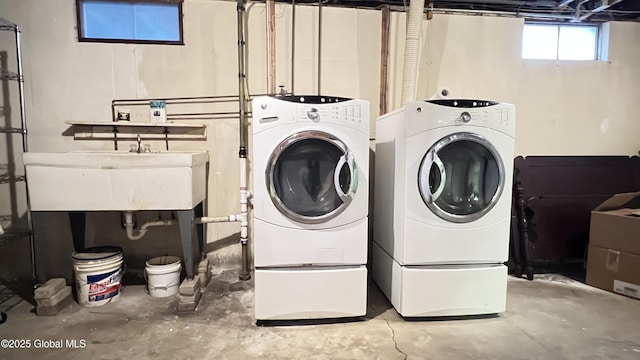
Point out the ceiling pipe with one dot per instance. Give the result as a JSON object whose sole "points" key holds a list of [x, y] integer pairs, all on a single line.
{"points": [[565, 3], [412, 51], [528, 15]]}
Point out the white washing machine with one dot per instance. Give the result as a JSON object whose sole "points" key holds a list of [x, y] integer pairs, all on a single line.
{"points": [[310, 206], [442, 206]]}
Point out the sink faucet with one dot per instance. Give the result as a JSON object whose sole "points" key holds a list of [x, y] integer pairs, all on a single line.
{"points": [[146, 148], [137, 148]]}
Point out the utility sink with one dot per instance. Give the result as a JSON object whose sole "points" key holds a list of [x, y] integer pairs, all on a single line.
{"points": [[116, 180]]}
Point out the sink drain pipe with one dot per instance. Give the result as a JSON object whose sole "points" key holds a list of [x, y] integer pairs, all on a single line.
{"points": [[129, 223], [129, 226]]}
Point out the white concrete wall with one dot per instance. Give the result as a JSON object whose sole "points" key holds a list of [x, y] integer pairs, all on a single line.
{"points": [[565, 108]]}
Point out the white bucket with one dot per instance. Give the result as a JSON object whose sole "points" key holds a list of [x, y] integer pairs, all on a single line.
{"points": [[98, 275], [163, 276]]}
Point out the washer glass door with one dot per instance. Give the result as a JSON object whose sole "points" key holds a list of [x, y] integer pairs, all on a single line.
{"points": [[461, 177], [312, 177]]}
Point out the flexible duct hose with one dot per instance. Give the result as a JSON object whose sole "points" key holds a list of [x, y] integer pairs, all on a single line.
{"points": [[412, 51]]}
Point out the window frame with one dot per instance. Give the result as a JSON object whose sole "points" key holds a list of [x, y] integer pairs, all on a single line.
{"points": [[180, 41], [559, 25]]}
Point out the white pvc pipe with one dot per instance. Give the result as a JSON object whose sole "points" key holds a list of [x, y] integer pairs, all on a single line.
{"points": [[245, 271], [243, 201], [128, 223], [412, 51], [228, 218]]}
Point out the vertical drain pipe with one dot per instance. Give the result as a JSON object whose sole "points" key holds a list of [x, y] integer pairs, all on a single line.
{"points": [[245, 272], [412, 51], [319, 45], [271, 46], [293, 43]]}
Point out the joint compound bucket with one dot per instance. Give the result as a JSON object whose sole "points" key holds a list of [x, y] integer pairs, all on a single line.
{"points": [[98, 273], [163, 276]]}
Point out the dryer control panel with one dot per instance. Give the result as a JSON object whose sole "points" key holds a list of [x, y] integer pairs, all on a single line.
{"points": [[433, 114], [464, 103], [483, 117]]}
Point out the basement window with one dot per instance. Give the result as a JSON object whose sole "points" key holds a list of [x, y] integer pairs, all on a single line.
{"points": [[560, 42], [140, 22]]}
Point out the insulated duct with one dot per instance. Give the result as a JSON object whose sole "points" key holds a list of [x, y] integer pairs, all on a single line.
{"points": [[412, 51]]}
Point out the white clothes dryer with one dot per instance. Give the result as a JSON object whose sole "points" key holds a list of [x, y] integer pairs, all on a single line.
{"points": [[441, 222], [310, 206]]}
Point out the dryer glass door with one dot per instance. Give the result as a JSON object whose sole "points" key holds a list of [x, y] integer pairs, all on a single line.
{"points": [[312, 177], [461, 177]]}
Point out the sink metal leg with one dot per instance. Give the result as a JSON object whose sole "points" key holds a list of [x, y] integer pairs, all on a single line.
{"points": [[187, 225], [77, 220], [38, 219], [201, 229]]}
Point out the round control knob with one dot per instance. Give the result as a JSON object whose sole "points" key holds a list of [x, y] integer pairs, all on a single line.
{"points": [[312, 114], [465, 117]]}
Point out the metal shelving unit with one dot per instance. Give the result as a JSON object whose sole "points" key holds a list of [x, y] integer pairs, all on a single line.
{"points": [[5, 75]]}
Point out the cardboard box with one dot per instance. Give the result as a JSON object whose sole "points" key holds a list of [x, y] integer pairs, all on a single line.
{"points": [[613, 262]]}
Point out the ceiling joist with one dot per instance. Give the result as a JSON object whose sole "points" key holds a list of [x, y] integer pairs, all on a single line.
{"points": [[564, 3], [539, 10], [604, 6]]}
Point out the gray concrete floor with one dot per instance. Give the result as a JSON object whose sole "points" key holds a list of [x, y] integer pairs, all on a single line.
{"points": [[551, 317]]}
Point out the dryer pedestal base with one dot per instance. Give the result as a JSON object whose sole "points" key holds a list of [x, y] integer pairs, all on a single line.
{"points": [[304, 293], [440, 290]]}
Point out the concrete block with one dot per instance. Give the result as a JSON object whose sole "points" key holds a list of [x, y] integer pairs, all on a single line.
{"points": [[205, 277], [189, 303], [55, 309], [56, 298], [50, 288], [187, 306], [191, 298], [203, 265], [190, 286]]}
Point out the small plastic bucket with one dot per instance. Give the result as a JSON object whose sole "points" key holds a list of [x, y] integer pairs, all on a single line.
{"points": [[98, 274], [163, 276]]}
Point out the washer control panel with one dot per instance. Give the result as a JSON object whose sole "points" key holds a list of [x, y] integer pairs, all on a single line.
{"points": [[334, 113], [269, 112], [312, 99]]}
